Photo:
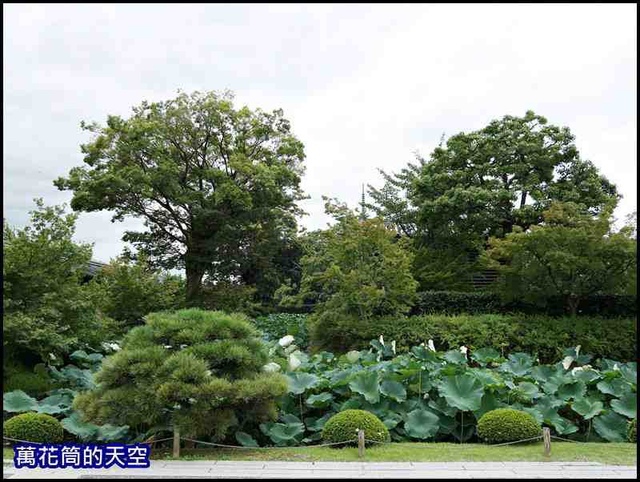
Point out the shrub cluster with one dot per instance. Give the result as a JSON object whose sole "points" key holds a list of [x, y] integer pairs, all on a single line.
{"points": [[34, 427], [507, 425], [456, 302], [542, 335], [345, 425], [632, 434]]}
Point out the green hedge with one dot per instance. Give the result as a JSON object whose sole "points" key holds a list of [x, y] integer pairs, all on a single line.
{"points": [[545, 336], [344, 426], [507, 425], [34, 427], [454, 302]]}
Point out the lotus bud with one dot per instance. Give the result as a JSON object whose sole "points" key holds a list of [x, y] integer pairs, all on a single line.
{"points": [[463, 350], [616, 367], [52, 356], [271, 367], [577, 350], [393, 346], [431, 345], [566, 363], [294, 362], [381, 340], [285, 341]]}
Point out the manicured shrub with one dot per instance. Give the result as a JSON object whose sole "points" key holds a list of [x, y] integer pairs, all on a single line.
{"points": [[277, 325], [200, 371], [632, 434], [34, 427], [345, 425], [507, 425], [544, 336]]}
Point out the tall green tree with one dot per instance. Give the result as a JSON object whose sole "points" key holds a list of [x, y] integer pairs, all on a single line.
{"points": [[573, 255], [482, 184], [204, 176], [47, 313]]}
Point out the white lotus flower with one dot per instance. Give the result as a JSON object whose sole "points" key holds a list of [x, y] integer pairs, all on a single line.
{"points": [[580, 369], [577, 350], [393, 346], [431, 345], [285, 341], [192, 400], [271, 367], [52, 356], [209, 372], [616, 367], [168, 346], [464, 350], [114, 346], [381, 340], [294, 362], [183, 346], [566, 363]]}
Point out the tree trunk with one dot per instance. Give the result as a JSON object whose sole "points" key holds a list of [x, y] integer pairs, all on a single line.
{"points": [[572, 303], [523, 199], [195, 273]]}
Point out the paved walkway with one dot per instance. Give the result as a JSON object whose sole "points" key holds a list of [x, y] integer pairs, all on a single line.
{"points": [[357, 470]]}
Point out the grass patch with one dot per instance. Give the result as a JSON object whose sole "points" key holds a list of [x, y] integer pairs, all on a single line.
{"points": [[604, 453]]}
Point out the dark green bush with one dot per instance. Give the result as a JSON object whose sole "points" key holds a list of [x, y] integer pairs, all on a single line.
{"points": [[542, 335], [345, 425], [34, 427], [35, 382], [507, 425], [456, 302], [632, 434], [277, 325]]}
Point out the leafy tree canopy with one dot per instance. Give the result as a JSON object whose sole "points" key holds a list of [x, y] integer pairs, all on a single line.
{"points": [[572, 254], [211, 182]]}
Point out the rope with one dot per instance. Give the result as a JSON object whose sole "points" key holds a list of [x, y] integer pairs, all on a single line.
{"points": [[568, 440], [21, 441], [467, 445], [258, 448]]}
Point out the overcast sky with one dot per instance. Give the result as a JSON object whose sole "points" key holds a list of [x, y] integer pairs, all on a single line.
{"points": [[364, 86]]}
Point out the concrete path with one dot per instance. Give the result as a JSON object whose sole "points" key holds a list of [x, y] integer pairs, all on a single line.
{"points": [[357, 470]]}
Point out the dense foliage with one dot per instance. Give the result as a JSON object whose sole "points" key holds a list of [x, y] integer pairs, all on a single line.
{"points": [[195, 371], [34, 427], [632, 433], [507, 425], [433, 395], [482, 184], [541, 335], [573, 255], [216, 186], [47, 314], [126, 291], [344, 427]]}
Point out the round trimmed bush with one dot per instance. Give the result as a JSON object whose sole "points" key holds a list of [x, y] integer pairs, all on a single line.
{"points": [[345, 425], [507, 425], [632, 435], [34, 427]]}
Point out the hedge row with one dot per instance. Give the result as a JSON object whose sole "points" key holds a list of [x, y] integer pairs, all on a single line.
{"points": [[542, 335], [453, 302]]}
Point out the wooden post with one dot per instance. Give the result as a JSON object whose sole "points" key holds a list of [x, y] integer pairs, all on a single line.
{"points": [[176, 441], [360, 443], [546, 437]]}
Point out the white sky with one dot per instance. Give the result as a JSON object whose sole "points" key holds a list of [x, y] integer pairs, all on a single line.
{"points": [[364, 86]]}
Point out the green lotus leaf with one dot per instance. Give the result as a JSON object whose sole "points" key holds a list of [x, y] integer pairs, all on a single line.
{"points": [[611, 427], [320, 400], [616, 387], [462, 391], [421, 424], [285, 433], [315, 425], [529, 390], [368, 385], [54, 404], [626, 405], [391, 420], [489, 402], [519, 364], [300, 381], [18, 401], [393, 390], [572, 390], [246, 440], [111, 433], [630, 372], [456, 357], [587, 407], [83, 430], [586, 375], [485, 355]]}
